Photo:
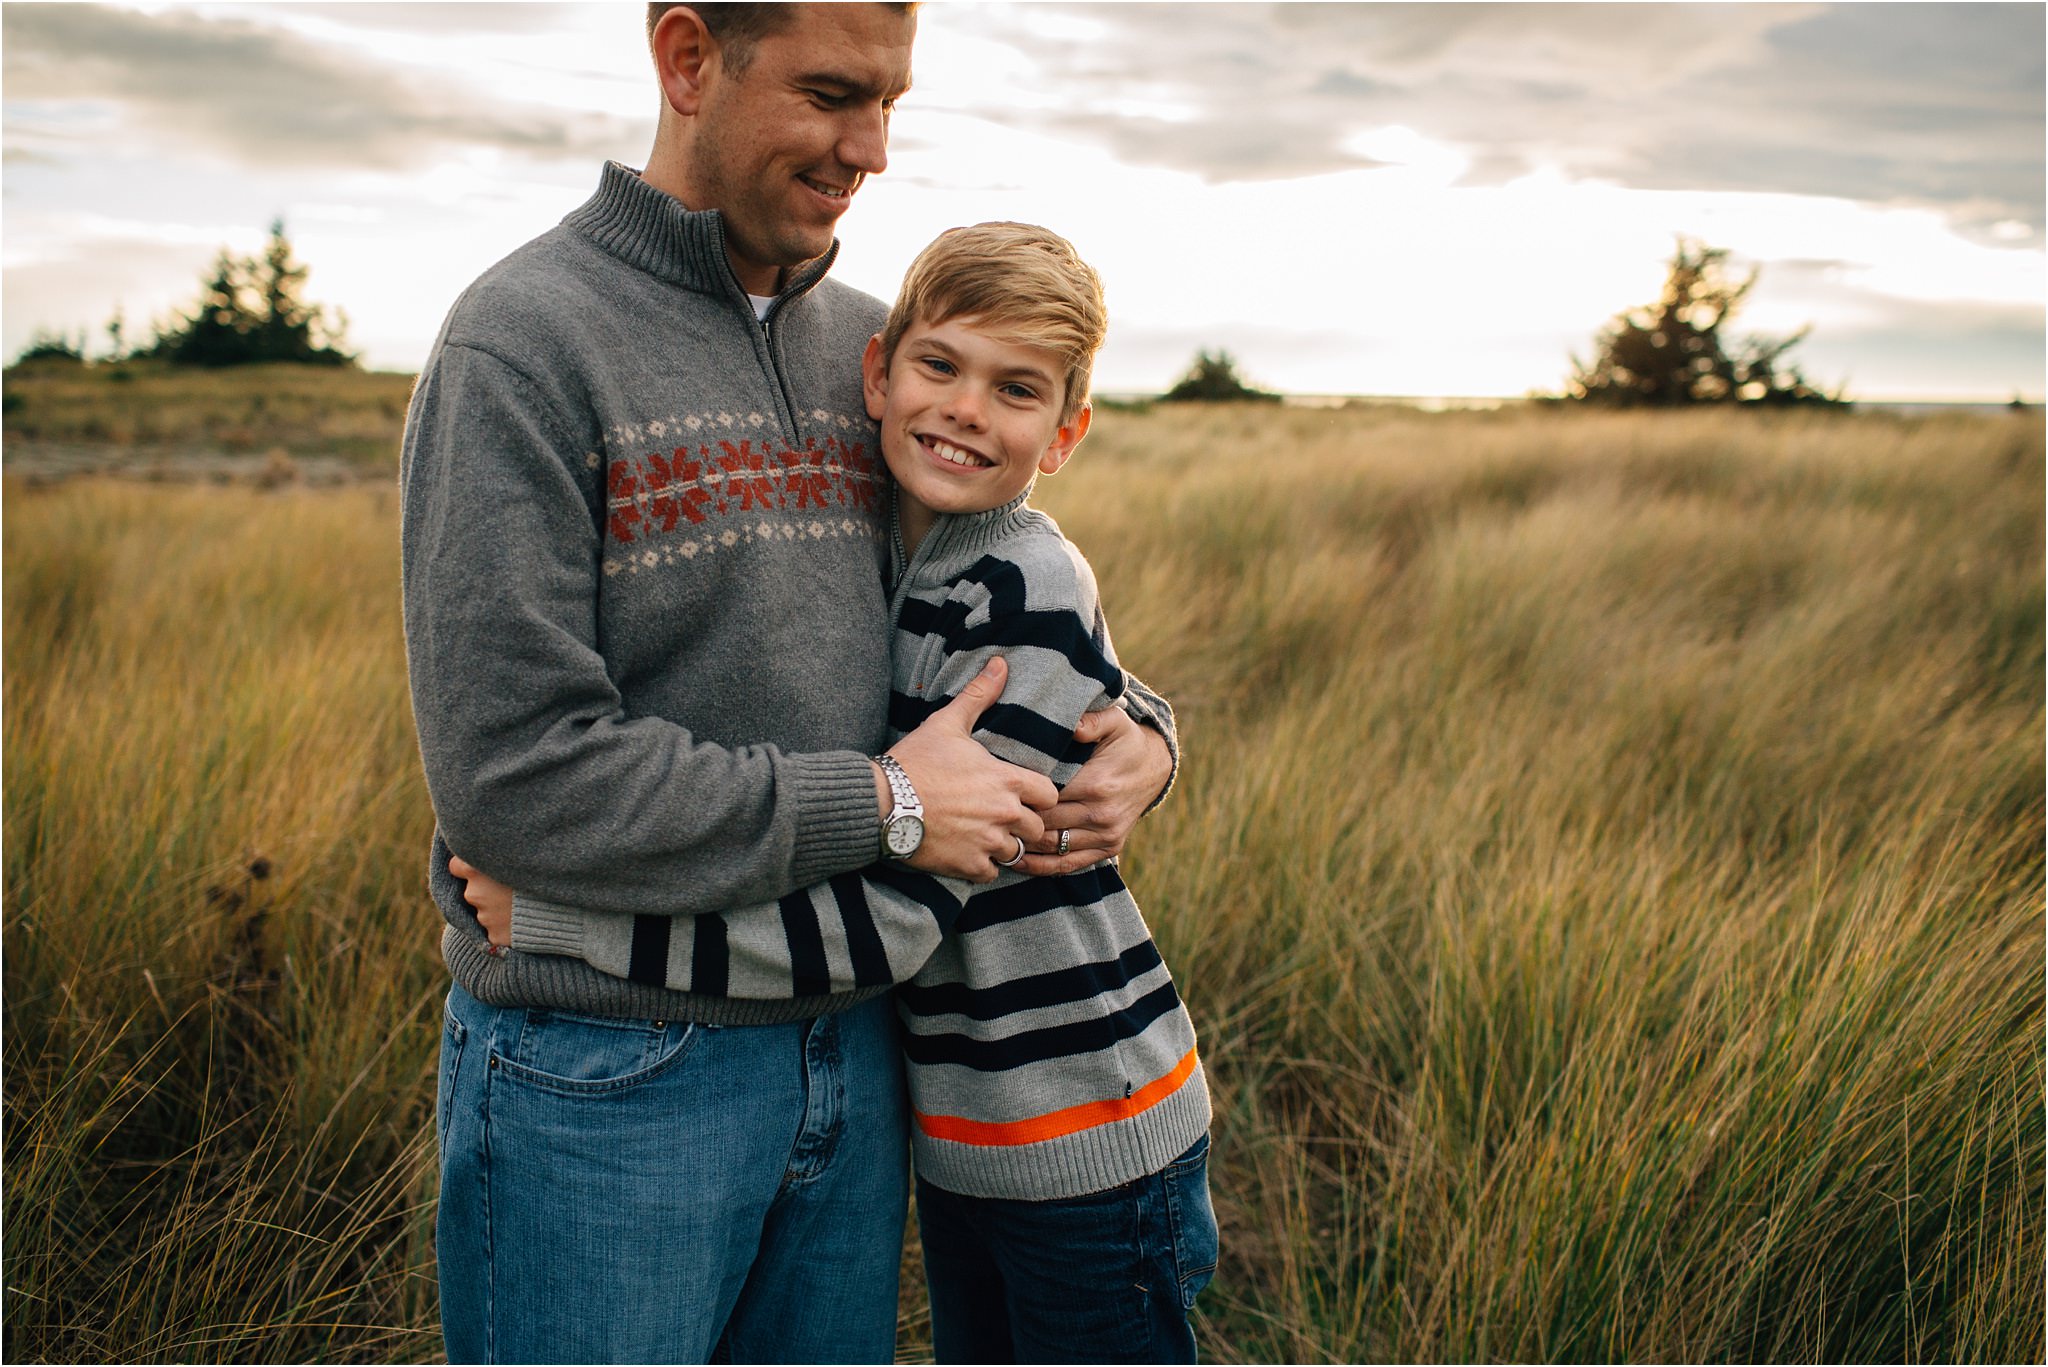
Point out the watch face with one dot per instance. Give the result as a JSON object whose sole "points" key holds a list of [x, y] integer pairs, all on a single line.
{"points": [[906, 833]]}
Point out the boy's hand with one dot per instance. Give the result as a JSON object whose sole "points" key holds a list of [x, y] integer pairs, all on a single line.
{"points": [[491, 899], [976, 807], [1098, 809]]}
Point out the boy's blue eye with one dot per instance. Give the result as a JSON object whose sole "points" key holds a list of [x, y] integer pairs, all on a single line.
{"points": [[1020, 391], [940, 367]]}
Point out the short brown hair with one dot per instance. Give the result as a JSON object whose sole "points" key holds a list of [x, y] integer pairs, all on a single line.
{"points": [[1024, 284], [735, 26]]}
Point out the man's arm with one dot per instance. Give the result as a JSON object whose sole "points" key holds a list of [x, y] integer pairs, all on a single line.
{"points": [[536, 772]]}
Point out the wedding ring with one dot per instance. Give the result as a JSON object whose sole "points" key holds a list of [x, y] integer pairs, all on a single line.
{"points": [[1015, 859], [1065, 836]]}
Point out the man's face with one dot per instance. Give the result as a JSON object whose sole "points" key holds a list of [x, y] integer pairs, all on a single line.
{"points": [[781, 148]]}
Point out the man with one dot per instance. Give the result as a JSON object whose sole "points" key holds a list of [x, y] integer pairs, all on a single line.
{"points": [[649, 664]]}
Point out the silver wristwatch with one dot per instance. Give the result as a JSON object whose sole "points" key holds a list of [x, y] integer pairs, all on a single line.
{"points": [[903, 828]]}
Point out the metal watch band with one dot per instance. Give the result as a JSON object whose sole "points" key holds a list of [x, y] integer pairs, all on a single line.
{"points": [[901, 792]]}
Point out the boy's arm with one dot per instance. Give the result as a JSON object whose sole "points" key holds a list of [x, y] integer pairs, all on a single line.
{"points": [[853, 931], [874, 928]]}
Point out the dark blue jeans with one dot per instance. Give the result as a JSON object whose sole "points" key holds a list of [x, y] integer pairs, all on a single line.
{"points": [[1103, 1278], [658, 1191]]}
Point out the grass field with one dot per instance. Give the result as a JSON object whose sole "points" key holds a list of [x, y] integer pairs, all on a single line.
{"points": [[1607, 874]]}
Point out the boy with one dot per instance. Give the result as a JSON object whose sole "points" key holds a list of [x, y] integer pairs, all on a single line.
{"points": [[1060, 1113]]}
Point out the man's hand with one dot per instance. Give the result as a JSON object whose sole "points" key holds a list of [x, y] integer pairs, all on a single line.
{"points": [[1130, 767], [976, 807], [491, 900]]}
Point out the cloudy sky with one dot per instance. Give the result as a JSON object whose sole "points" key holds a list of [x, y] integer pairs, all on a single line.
{"points": [[1435, 199]]}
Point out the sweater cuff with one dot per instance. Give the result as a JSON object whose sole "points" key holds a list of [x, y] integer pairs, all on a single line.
{"points": [[546, 927], [837, 826], [1149, 709]]}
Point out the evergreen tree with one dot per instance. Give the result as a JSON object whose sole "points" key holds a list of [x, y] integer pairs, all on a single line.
{"points": [[1213, 378], [1671, 353], [254, 309]]}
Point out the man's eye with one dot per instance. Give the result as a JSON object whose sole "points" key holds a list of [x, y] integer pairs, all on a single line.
{"points": [[826, 99]]}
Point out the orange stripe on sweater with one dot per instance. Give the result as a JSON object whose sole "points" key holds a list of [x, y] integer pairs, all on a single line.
{"points": [[1054, 1124]]}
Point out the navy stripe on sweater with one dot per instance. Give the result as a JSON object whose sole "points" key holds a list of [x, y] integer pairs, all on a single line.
{"points": [[863, 941], [809, 974], [907, 712], [1025, 994], [1036, 1046], [648, 959], [1031, 896], [921, 888], [710, 957], [1010, 623]]}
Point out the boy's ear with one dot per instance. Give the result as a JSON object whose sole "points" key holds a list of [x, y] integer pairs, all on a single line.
{"points": [[1065, 440], [684, 52], [874, 377]]}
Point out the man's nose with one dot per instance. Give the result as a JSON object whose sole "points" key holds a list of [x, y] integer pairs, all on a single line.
{"points": [[864, 143]]}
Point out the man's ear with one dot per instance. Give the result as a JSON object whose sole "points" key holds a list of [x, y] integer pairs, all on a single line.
{"points": [[1065, 440], [874, 377], [684, 53]]}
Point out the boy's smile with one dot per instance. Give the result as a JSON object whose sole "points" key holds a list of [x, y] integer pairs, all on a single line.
{"points": [[968, 420]]}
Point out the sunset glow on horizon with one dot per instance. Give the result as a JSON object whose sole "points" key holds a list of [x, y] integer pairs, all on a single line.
{"points": [[1368, 199]]}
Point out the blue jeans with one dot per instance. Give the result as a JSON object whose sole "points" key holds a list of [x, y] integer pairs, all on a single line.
{"points": [[657, 1191], [1102, 1278]]}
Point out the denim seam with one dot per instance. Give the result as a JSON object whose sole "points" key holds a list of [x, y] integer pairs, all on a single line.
{"points": [[489, 1059], [444, 1107], [1170, 1184], [1138, 1244]]}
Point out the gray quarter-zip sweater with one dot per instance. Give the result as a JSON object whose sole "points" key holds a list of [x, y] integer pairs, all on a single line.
{"points": [[643, 541]]}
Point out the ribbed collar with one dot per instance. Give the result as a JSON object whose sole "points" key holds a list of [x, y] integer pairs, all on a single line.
{"points": [[650, 230], [958, 539]]}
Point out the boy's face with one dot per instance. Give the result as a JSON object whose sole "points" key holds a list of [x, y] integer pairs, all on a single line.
{"points": [[968, 420]]}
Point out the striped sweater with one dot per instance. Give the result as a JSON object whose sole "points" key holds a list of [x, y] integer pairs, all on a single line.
{"points": [[1047, 1051]]}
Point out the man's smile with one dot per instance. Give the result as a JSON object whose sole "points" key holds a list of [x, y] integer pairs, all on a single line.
{"points": [[838, 192]]}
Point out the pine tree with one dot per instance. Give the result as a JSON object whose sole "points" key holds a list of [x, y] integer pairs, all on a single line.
{"points": [[1212, 377], [1670, 353], [254, 309]]}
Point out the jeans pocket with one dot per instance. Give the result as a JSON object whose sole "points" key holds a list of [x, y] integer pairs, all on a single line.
{"points": [[454, 1035], [578, 1055], [1195, 1244]]}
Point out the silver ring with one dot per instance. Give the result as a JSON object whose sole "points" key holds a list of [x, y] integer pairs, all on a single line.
{"points": [[1065, 836], [1015, 859]]}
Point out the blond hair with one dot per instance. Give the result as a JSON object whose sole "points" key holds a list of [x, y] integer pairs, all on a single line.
{"points": [[1022, 284]]}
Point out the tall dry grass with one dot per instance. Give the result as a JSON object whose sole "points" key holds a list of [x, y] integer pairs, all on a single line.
{"points": [[1606, 872], [219, 982], [155, 411]]}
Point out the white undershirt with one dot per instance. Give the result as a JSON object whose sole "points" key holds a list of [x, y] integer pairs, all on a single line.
{"points": [[762, 303]]}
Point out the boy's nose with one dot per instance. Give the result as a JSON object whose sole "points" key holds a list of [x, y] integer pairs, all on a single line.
{"points": [[964, 407]]}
